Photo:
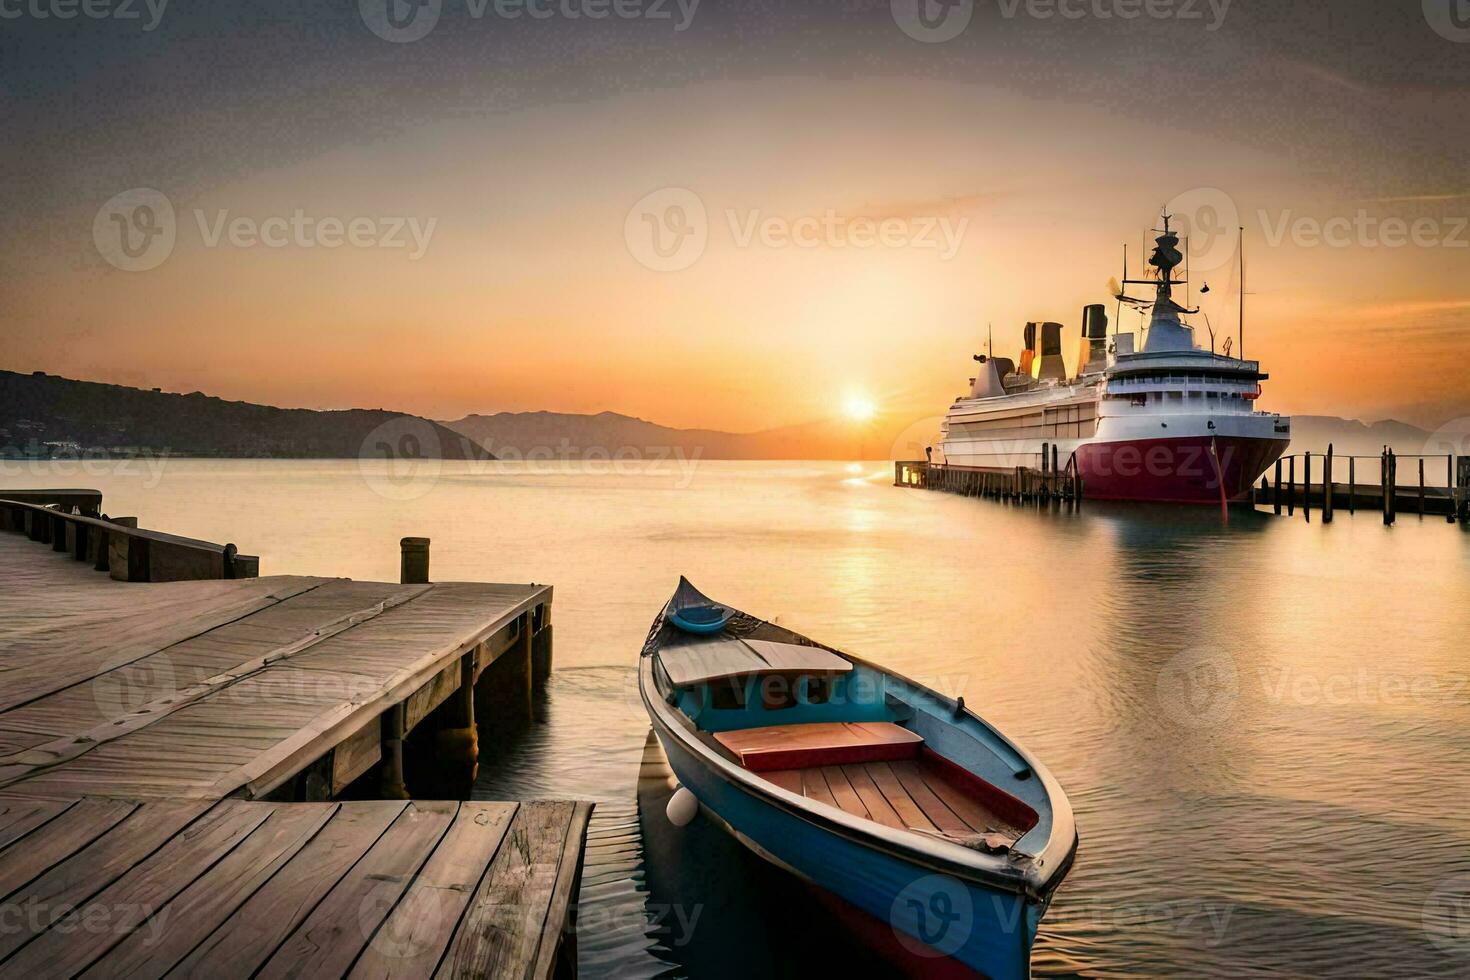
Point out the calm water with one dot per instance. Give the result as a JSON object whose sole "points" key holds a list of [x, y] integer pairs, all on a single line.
{"points": [[1264, 729]]}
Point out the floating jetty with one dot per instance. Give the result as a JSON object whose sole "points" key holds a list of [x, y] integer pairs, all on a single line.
{"points": [[206, 772]]}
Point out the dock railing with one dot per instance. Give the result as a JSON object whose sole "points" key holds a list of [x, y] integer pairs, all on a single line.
{"points": [[1049, 481], [71, 522]]}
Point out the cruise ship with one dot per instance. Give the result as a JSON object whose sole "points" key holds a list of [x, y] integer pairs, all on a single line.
{"points": [[1163, 421]]}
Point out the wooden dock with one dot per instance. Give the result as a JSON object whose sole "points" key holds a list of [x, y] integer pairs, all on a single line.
{"points": [[1373, 484], [211, 776], [1053, 483]]}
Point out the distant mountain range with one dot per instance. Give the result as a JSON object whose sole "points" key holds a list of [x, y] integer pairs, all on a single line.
{"points": [[558, 435], [46, 415], [43, 414]]}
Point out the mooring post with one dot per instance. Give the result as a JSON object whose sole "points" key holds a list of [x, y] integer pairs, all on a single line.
{"points": [[1449, 485], [1327, 487], [1352, 484], [1291, 487], [413, 569], [1421, 486], [1307, 486], [1462, 489], [1390, 487], [392, 785], [1276, 490]]}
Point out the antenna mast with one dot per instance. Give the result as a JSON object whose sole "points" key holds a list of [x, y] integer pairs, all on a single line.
{"points": [[1240, 345]]}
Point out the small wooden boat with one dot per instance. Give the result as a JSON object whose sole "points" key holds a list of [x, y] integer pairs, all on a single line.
{"points": [[892, 797]]}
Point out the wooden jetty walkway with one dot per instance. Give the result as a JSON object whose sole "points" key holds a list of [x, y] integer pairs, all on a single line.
{"points": [[204, 772], [1423, 497]]}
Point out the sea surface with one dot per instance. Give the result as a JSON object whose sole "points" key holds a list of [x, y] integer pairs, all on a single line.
{"points": [[1264, 728]]}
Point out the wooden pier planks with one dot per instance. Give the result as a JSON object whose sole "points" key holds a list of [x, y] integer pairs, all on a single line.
{"points": [[235, 888], [204, 689]]}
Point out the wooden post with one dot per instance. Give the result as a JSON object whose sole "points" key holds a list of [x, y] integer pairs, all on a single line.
{"points": [[58, 532], [1421, 486], [1327, 487], [414, 566], [1307, 486], [1390, 489], [1462, 488], [1450, 485], [1383, 486], [1276, 490], [1291, 487], [1352, 484], [393, 786]]}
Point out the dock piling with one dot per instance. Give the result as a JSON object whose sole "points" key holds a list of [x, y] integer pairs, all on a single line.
{"points": [[1352, 484], [1276, 495], [1327, 486], [1291, 487]]}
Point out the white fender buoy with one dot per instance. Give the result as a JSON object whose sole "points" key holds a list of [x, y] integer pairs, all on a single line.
{"points": [[683, 807]]}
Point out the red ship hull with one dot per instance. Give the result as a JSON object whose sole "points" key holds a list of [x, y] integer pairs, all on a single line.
{"points": [[1178, 471]]}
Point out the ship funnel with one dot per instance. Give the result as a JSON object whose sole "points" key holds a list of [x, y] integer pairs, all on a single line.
{"points": [[987, 383], [1046, 346], [1093, 355]]}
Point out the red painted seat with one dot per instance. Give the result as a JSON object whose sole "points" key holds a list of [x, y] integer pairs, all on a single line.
{"points": [[824, 744]]}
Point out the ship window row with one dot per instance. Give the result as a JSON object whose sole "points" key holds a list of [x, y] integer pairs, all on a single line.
{"points": [[1145, 397]]}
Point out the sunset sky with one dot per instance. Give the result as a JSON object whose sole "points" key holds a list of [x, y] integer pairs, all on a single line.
{"points": [[1010, 163]]}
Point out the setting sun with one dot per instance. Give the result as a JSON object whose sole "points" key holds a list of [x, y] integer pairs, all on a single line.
{"points": [[859, 408]]}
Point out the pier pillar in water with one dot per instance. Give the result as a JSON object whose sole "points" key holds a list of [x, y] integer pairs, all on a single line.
{"points": [[1462, 488], [392, 785], [1327, 486], [540, 646]]}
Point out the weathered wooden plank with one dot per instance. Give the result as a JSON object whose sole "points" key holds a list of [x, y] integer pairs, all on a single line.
{"points": [[413, 938], [194, 913], [20, 817], [814, 786], [846, 797], [70, 883], [64, 835], [563, 893], [67, 947], [911, 778], [431, 695], [355, 755], [907, 808], [500, 934], [879, 809], [263, 922], [332, 936]]}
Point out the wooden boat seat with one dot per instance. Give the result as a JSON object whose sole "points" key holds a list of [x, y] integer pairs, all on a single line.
{"points": [[822, 744]]}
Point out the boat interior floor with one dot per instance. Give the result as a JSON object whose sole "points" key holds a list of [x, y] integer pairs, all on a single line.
{"points": [[908, 794]]}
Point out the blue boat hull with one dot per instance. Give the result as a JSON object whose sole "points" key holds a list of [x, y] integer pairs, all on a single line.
{"points": [[932, 914]]}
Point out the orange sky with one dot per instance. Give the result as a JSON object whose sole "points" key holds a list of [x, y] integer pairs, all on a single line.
{"points": [[530, 296]]}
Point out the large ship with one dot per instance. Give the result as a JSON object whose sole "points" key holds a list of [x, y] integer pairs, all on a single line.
{"points": [[1164, 420]]}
